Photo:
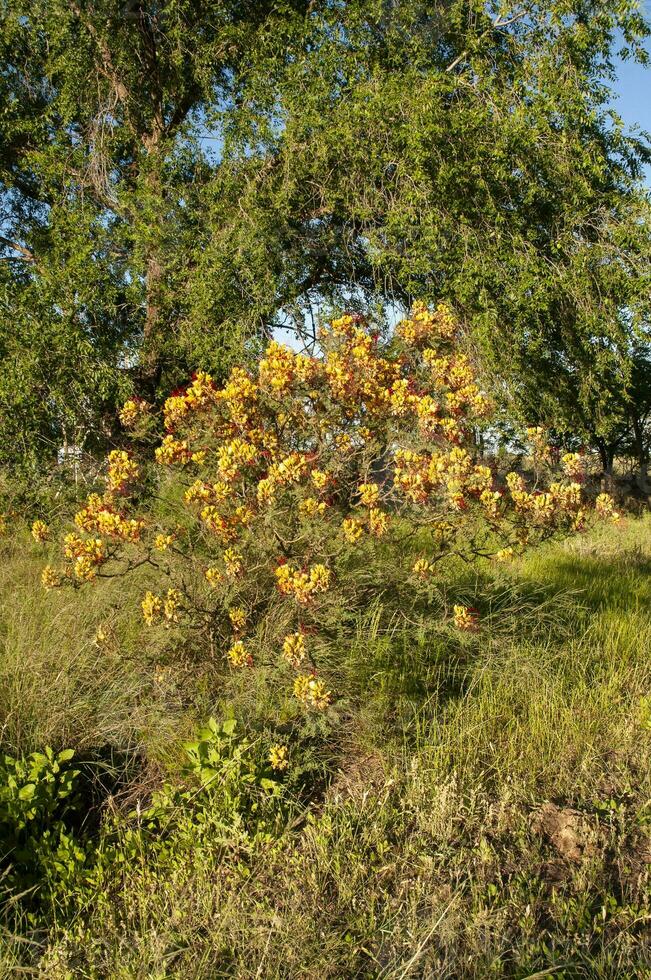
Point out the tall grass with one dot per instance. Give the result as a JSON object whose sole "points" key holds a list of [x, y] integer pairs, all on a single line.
{"points": [[426, 855]]}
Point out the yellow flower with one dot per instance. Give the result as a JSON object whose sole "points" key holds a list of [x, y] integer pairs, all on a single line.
{"points": [[50, 578], [311, 507], [121, 470], [213, 576], [131, 411], [237, 616], [163, 541], [378, 522], [278, 757], [572, 464], [504, 554], [422, 568], [294, 649], [152, 607], [171, 451], [302, 585], [40, 531], [238, 655], [312, 692], [172, 605], [369, 494], [319, 578], [101, 637], [353, 529], [233, 562], [319, 479], [464, 618], [605, 507]]}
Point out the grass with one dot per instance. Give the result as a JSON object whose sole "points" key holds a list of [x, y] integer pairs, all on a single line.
{"points": [[486, 812]]}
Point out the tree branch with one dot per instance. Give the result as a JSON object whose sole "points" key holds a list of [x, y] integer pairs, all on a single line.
{"points": [[498, 23], [23, 252]]}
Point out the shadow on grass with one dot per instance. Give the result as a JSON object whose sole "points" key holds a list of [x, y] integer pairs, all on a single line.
{"points": [[550, 599]]}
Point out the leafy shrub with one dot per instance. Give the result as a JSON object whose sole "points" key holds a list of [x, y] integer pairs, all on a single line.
{"points": [[290, 499], [39, 801], [231, 785]]}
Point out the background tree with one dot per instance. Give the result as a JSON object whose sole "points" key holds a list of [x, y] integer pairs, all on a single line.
{"points": [[363, 153], [468, 154], [100, 171]]}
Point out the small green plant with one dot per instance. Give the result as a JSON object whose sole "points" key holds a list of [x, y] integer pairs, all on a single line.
{"points": [[39, 804], [236, 786]]}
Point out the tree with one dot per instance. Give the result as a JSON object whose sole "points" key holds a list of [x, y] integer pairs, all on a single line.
{"points": [[101, 167], [367, 152], [272, 531]]}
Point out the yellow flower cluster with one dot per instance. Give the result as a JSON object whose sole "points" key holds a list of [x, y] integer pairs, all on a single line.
{"points": [[86, 555], [312, 692], [290, 469], [163, 541], [303, 586], [50, 578], [215, 493], [199, 394], [423, 324], [465, 618], [422, 568], [132, 411], [233, 561], [40, 531], [451, 474], [504, 554], [294, 651], [238, 655], [311, 507], [168, 608], [237, 616], [122, 470], [605, 507], [172, 451], [319, 479], [537, 437], [369, 494], [573, 465], [378, 522], [233, 456], [97, 517], [352, 529], [278, 757], [277, 368]]}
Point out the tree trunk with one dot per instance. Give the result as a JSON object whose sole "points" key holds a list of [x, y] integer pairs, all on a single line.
{"points": [[607, 456], [150, 364], [642, 456]]}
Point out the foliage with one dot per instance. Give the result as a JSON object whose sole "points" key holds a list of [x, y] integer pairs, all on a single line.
{"points": [[38, 795], [229, 169], [310, 478], [238, 789], [101, 171], [427, 841]]}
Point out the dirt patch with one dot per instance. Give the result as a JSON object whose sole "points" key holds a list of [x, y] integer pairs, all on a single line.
{"points": [[568, 831]]}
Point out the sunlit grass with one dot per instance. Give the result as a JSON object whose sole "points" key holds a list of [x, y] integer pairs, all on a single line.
{"points": [[422, 857]]}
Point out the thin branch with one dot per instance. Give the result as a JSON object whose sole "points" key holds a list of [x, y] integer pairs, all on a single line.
{"points": [[24, 253], [497, 24]]}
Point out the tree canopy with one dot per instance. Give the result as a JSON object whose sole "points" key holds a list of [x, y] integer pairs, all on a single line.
{"points": [[177, 179]]}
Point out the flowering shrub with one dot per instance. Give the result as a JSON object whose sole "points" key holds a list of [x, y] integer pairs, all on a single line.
{"points": [[294, 495]]}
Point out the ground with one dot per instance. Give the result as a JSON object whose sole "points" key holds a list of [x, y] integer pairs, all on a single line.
{"points": [[481, 807]]}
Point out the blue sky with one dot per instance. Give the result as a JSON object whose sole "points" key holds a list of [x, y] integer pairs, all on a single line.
{"points": [[633, 96]]}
